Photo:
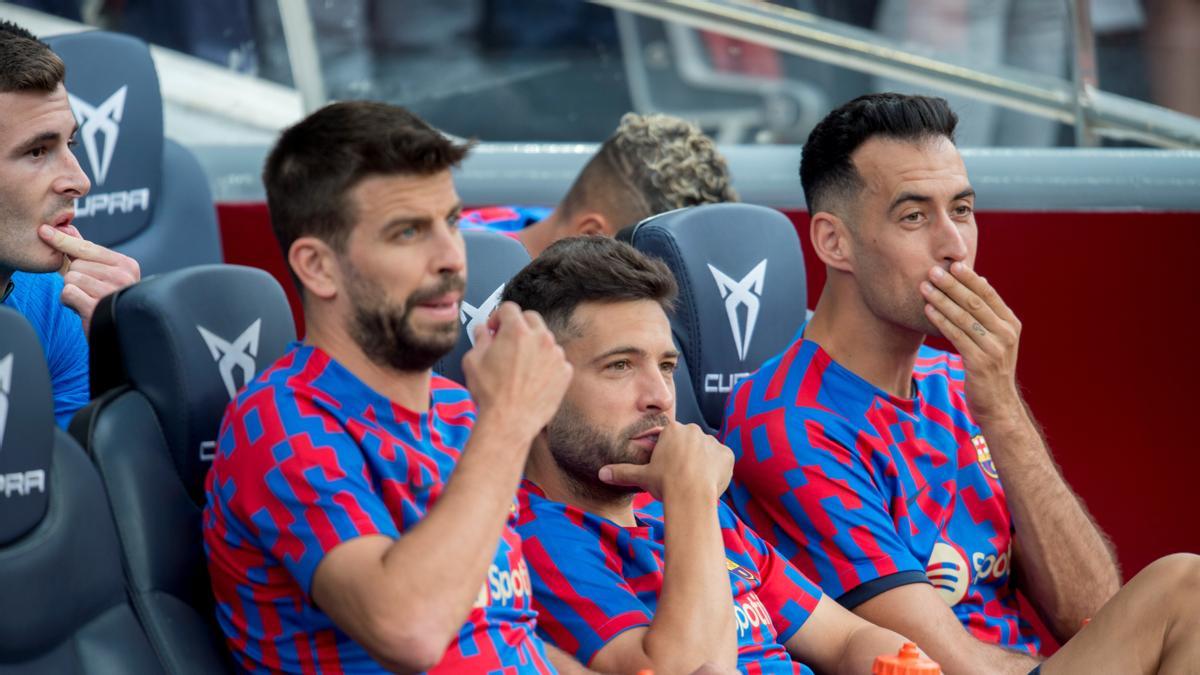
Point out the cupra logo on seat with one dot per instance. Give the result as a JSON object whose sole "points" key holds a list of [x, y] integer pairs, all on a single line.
{"points": [[239, 353], [472, 316], [744, 292], [105, 118], [6, 368]]}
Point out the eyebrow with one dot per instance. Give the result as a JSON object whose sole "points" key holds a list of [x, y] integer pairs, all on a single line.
{"points": [[44, 137], [632, 351], [925, 199], [404, 221]]}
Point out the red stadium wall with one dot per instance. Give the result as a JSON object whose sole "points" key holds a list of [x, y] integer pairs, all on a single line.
{"points": [[1108, 353]]}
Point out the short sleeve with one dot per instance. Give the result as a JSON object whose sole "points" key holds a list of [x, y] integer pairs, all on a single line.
{"points": [[801, 483], [582, 600], [296, 479], [789, 596]]}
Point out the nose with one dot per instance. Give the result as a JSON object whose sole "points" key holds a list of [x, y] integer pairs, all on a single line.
{"points": [[71, 182], [657, 391], [450, 256], [952, 242]]}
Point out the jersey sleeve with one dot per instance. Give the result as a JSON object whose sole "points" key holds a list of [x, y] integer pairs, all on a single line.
{"points": [[801, 481], [67, 359], [296, 480], [581, 597], [789, 596]]}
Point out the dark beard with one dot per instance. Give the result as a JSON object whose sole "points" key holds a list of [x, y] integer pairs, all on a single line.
{"points": [[580, 450], [384, 331]]}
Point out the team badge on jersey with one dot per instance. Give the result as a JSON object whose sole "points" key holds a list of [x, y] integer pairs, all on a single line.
{"points": [[948, 572], [985, 456], [740, 571]]}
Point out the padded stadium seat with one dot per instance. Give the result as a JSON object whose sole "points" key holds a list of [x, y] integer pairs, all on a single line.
{"points": [[742, 295], [149, 199], [167, 355], [63, 607], [492, 259]]}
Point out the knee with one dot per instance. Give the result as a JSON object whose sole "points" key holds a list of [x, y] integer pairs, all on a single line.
{"points": [[1177, 575]]}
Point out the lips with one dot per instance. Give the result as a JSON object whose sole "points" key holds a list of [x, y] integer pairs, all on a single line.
{"points": [[63, 220]]}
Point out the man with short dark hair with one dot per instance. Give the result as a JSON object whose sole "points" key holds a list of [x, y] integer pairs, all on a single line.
{"points": [[678, 580], [913, 484], [651, 164], [360, 510], [40, 180]]}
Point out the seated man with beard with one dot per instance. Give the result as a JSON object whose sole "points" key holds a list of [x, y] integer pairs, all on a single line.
{"points": [[358, 506], [681, 581]]}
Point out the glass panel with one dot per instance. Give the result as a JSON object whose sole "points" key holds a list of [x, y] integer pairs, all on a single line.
{"points": [[565, 70]]}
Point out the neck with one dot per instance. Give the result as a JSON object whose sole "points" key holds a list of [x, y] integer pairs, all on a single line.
{"points": [[543, 471], [876, 350], [409, 390], [540, 235]]}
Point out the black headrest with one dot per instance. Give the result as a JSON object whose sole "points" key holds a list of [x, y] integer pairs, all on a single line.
{"points": [[492, 259], [113, 89], [742, 292], [188, 340], [26, 427]]}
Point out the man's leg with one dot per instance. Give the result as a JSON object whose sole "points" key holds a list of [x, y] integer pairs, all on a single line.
{"points": [[1152, 625]]}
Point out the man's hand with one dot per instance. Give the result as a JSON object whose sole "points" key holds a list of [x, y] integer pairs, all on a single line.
{"points": [[90, 271], [684, 459], [516, 370], [973, 317]]}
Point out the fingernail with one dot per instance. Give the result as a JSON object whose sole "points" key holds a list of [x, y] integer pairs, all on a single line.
{"points": [[926, 287], [605, 474], [957, 268], [938, 272]]}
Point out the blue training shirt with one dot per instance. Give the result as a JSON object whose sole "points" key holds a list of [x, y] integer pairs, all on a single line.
{"points": [[36, 296]]}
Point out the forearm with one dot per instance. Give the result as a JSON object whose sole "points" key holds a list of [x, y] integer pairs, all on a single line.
{"points": [[866, 642], [440, 565], [564, 663], [1069, 570], [694, 622]]}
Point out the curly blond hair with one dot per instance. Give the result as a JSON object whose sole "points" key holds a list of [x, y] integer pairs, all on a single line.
{"points": [[652, 164]]}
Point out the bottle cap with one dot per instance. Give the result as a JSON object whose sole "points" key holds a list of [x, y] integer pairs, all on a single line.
{"points": [[908, 661]]}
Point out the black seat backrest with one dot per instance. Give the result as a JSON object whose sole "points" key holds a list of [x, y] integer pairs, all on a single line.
{"points": [[63, 607], [492, 259], [149, 199], [182, 342], [742, 295]]}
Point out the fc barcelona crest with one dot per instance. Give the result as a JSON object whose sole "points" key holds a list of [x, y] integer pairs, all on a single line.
{"points": [[739, 570], [985, 456]]}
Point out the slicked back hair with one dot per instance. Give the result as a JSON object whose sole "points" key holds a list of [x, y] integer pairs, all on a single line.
{"points": [[27, 63], [317, 162], [827, 173], [650, 165], [576, 270]]}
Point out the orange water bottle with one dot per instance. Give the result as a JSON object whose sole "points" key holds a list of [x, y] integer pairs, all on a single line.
{"points": [[908, 662]]}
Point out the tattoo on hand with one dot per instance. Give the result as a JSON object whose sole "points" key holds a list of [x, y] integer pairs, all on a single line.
{"points": [[978, 329]]}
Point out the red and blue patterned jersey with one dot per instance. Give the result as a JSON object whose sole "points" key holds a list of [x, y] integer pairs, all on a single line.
{"points": [[865, 492], [594, 579], [309, 457], [503, 219]]}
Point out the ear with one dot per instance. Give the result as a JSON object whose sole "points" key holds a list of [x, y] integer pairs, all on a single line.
{"points": [[591, 223], [315, 264], [831, 241]]}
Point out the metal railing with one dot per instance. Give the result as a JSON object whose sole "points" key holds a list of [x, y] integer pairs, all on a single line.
{"points": [[1078, 102]]}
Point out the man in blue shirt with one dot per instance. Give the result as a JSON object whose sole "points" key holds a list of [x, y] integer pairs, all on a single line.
{"points": [[40, 180]]}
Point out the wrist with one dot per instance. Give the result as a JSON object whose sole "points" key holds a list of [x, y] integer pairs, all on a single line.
{"points": [[505, 429], [693, 494]]}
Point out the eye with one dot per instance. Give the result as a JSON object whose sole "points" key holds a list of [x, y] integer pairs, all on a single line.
{"points": [[453, 221], [913, 217], [620, 366], [38, 152], [667, 366], [406, 233], [963, 210]]}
